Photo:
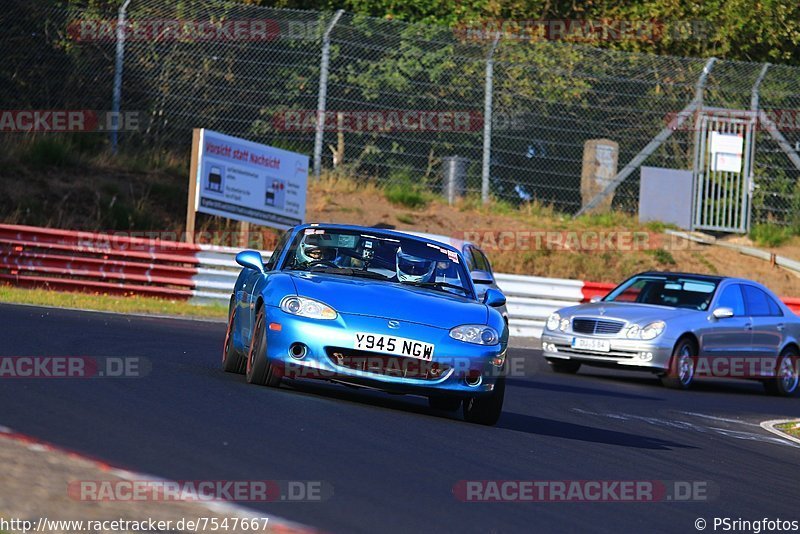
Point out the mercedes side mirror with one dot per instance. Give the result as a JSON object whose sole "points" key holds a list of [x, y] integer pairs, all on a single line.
{"points": [[722, 313]]}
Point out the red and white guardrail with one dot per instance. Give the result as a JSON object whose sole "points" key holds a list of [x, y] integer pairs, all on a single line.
{"points": [[121, 265]]}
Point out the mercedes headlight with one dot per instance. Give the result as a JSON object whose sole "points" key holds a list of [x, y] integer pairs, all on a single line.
{"points": [[305, 307], [475, 333], [653, 330], [647, 332], [553, 320]]}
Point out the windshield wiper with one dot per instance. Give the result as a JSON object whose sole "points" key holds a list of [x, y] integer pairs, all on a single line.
{"points": [[347, 271], [437, 285]]}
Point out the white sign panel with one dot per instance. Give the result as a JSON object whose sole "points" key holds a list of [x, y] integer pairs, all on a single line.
{"points": [[250, 182], [726, 152]]}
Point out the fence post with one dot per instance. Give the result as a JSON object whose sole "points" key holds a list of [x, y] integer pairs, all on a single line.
{"points": [[695, 105], [487, 121], [323, 92], [118, 64]]}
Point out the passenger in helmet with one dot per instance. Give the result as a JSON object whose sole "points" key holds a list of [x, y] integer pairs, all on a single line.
{"points": [[313, 248], [414, 269]]}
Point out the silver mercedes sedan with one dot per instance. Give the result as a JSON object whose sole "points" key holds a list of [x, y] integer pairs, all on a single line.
{"points": [[681, 327]]}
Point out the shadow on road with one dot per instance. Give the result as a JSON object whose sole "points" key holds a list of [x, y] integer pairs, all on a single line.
{"points": [[562, 429], [581, 390]]}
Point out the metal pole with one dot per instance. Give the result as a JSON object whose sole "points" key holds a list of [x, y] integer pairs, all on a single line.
{"points": [[323, 92], [487, 121], [118, 64], [754, 98], [658, 140]]}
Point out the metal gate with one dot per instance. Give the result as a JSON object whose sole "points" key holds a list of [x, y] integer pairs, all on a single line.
{"points": [[723, 179]]}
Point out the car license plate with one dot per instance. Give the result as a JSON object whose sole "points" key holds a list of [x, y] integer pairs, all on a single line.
{"points": [[399, 346], [599, 345]]}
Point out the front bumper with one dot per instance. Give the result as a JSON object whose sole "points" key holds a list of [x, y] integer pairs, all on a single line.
{"points": [[629, 353], [329, 355]]}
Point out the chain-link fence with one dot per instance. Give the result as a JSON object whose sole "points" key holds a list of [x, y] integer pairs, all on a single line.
{"points": [[401, 101]]}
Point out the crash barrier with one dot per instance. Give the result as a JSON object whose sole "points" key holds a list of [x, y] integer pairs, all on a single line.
{"points": [[124, 265]]}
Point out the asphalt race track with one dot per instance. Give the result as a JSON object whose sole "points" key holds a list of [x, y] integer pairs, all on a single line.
{"points": [[391, 461]]}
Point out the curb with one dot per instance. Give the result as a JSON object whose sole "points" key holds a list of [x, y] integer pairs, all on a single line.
{"points": [[769, 426], [276, 524]]}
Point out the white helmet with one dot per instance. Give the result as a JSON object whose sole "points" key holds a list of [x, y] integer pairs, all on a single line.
{"points": [[312, 248], [413, 268]]}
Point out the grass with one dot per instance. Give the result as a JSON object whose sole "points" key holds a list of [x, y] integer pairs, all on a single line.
{"points": [[406, 195], [770, 235], [662, 256], [135, 304], [793, 428], [406, 218]]}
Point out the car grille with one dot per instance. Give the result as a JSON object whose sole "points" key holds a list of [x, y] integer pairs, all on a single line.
{"points": [[386, 364], [567, 349], [583, 325]]}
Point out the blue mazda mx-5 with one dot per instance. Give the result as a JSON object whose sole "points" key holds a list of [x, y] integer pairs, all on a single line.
{"points": [[373, 308]]}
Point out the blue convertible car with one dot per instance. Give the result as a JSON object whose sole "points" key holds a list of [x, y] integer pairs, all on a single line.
{"points": [[371, 308]]}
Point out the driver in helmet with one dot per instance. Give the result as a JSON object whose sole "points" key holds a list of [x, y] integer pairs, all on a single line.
{"points": [[413, 269], [314, 249]]}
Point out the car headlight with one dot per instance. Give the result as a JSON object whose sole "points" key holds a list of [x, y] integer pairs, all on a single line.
{"points": [[564, 325], [647, 332], [633, 331], [475, 333], [653, 330], [305, 307], [553, 320]]}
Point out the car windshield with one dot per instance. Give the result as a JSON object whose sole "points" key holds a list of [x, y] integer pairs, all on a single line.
{"points": [[663, 290], [378, 256]]}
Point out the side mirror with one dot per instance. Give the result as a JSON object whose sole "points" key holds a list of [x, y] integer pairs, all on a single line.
{"points": [[596, 298], [481, 277], [251, 260], [494, 298], [722, 313]]}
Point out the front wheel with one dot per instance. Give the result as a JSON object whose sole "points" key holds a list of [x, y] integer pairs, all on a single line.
{"points": [[486, 409], [682, 364], [785, 381], [232, 361], [259, 369]]}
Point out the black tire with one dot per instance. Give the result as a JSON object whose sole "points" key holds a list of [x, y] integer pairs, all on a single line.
{"points": [[259, 370], [564, 366], [681, 365], [232, 360], [785, 381], [486, 410], [445, 404]]}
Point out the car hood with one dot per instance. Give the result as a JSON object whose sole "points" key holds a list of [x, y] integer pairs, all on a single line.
{"points": [[627, 311], [390, 300]]}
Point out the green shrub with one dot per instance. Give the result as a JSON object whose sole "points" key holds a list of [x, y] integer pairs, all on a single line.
{"points": [[770, 235]]}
